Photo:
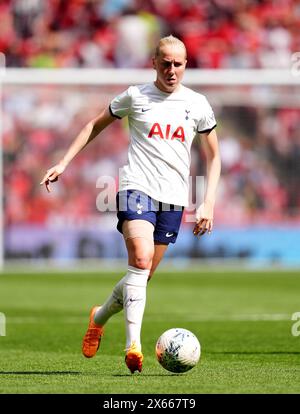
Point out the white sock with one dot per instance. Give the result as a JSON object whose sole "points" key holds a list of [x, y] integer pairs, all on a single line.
{"points": [[134, 299], [113, 304]]}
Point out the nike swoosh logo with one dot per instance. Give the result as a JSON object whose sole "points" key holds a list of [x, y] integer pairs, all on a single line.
{"points": [[145, 109], [130, 301], [169, 234]]}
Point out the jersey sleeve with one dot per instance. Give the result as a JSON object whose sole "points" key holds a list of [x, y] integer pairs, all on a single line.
{"points": [[207, 121], [121, 105]]}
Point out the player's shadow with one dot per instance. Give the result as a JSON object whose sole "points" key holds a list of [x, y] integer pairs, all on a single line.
{"points": [[148, 375], [40, 373]]}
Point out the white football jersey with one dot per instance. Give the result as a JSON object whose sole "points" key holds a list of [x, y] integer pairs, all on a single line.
{"points": [[162, 128]]}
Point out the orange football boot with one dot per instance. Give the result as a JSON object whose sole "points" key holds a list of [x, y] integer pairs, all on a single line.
{"points": [[134, 359], [92, 338]]}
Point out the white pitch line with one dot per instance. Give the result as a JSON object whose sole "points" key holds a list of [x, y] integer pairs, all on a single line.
{"points": [[162, 317]]}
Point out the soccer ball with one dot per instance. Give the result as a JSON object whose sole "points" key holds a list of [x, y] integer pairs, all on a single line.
{"points": [[178, 350]]}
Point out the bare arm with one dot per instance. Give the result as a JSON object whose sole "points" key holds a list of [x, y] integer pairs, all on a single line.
{"points": [[86, 135], [205, 213]]}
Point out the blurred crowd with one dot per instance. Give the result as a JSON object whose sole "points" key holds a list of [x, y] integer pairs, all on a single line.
{"points": [[260, 145], [260, 149], [122, 33]]}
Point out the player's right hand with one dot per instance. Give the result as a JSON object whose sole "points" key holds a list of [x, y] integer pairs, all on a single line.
{"points": [[52, 175]]}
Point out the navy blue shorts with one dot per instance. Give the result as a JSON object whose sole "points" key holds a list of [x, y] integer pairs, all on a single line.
{"points": [[136, 205]]}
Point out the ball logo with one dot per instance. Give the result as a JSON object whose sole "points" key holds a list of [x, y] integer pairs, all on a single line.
{"points": [[167, 133]]}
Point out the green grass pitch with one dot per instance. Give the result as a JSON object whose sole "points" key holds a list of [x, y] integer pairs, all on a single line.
{"points": [[242, 320]]}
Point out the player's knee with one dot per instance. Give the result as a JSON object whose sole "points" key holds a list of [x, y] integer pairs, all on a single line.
{"points": [[142, 261], [140, 252], [142, 257]]}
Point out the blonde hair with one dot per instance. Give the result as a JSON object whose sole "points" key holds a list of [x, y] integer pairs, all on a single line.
{"points": [[169, 40]]}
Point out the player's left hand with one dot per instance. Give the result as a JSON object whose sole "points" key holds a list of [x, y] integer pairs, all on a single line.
{"points": [[204, 219]]}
